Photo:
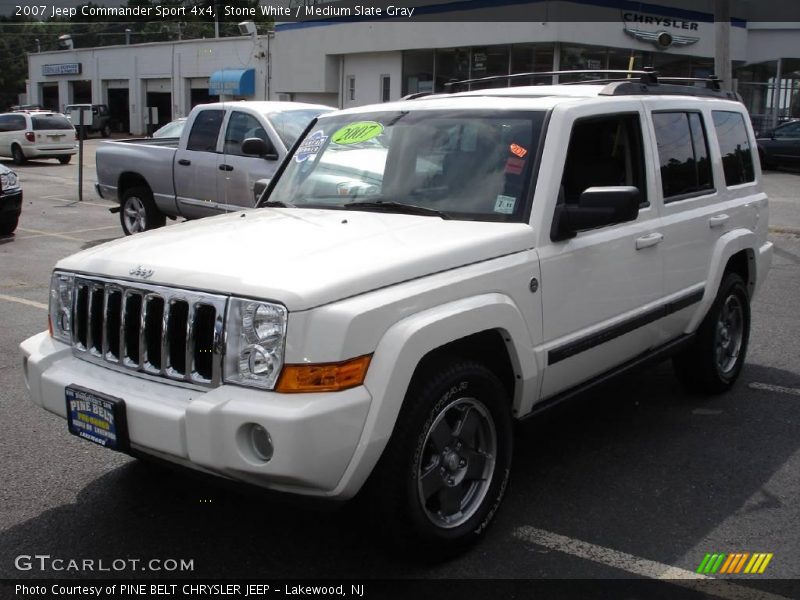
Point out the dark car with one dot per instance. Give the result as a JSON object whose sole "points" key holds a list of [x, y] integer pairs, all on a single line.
{"points": [[780, 146], [10, 200]]}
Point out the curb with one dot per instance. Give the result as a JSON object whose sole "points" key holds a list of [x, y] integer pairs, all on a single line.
{"points": [[789, 230]]}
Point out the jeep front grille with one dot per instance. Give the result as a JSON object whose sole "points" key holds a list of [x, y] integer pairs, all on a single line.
{"points": [[150, 329]]}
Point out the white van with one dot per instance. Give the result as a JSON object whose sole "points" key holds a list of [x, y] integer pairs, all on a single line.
{"points": [[36, 134]]}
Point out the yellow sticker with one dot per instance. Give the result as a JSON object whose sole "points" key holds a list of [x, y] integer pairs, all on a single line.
{"points": [[360, 131]]}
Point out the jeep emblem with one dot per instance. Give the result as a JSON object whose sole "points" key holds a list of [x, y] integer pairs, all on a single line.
{"points": [[140, 271]]}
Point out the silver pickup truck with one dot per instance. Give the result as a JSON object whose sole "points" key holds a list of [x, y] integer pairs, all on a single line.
{"points": [[206, 171]]}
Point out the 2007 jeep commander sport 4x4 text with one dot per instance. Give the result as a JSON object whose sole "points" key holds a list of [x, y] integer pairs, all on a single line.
{"points": [[418, 275]]}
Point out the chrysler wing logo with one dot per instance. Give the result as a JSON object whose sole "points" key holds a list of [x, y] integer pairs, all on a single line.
{"points": [[661, 39], [140, 271]]}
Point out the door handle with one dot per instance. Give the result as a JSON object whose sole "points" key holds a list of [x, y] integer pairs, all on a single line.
{"points": [[651, 239], [185, 162], [717, 221], [225, 168]]}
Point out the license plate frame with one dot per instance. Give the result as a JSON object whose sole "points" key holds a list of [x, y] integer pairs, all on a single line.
{"points": [[97, 417]]}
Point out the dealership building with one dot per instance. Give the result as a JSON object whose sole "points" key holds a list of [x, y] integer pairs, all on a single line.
{"points": [[343, 63]]}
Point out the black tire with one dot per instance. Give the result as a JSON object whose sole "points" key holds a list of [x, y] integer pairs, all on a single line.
{"points": [[64, 160], [766, 165], [714, 360], [105, 131], [18, 155], [430, 462], [138, 211], [8, 225]]}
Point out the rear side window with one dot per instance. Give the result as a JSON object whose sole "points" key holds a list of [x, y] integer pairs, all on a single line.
{"points": [[205, 131], [42, 122], [682, 155], [734, 146], [12, 122]]}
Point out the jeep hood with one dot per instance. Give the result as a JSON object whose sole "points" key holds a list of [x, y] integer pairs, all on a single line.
{"points": [[301, 257]]}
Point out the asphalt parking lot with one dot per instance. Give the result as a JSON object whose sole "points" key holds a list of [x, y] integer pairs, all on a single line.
{"points": [[638, 480]]}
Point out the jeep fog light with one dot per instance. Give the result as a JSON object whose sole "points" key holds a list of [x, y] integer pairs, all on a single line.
{"points": [[256, 336], [60, 317]]}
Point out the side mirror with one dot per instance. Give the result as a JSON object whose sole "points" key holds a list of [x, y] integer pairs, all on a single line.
{"points": [[259, 147], [259, 187], [596, 207]]}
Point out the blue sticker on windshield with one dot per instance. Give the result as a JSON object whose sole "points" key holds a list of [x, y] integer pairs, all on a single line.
{"points": [[310, 146]]}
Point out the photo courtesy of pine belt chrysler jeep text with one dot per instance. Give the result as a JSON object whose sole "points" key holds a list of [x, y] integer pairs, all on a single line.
{"points": [[418, 275]]}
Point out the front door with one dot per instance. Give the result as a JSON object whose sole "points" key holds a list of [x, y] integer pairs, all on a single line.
{"points": [[601, 288]]}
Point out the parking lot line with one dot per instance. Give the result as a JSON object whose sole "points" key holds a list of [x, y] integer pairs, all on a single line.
{"points": [[66, 233], [47, 233], [87, 202], [768, 387], [23, 301], [641, 566]]}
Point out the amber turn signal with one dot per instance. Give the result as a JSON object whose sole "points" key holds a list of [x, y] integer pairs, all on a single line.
{"points": [[326, 377]]}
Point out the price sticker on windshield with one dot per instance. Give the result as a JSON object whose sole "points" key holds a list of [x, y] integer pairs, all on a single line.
{"points": [[361, 131]]}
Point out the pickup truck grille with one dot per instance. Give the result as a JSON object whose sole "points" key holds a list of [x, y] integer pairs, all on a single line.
{"points": [[150, 329]]}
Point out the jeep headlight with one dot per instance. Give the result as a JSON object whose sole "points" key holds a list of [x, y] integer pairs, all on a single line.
{"points": [[256, 336], [62, 287], [8, 180]]}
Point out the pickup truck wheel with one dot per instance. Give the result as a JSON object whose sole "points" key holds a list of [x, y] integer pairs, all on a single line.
{"points": [[446, 467], [106, 131], [18, 155], [138, 212], [714, 361], [64, 160]]}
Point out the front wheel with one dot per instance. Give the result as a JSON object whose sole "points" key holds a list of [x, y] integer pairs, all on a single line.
{"points": [[713, 362], [106, 131], [445, 470], [8, 224], [138, 211]]}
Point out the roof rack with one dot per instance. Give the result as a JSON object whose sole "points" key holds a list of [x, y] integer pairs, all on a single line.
{"points": [[646, 82]]}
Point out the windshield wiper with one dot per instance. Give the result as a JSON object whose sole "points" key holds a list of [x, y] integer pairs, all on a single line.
{"points": [[398, 207], [276, 204]]}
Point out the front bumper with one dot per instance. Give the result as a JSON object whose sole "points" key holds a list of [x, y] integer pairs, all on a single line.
{"points": [[314, 435], [11, 203]]}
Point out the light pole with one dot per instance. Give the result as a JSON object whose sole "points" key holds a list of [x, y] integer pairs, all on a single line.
{"points": [[722, 42]]}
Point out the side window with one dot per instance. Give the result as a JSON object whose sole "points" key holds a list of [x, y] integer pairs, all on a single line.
{"points": [[205, 131], [5, 123], [734, 146], [604, 151], [17, 123], [682, 154], [788, 131], [240, 127]]}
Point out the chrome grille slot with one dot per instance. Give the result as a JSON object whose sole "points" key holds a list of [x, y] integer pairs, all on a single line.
{"points": [[150, 330]]}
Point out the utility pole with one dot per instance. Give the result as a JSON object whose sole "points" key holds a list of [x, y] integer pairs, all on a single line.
{"points": [[722, 43]]}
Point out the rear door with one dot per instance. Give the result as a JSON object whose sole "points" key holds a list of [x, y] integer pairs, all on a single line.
{"points": [[52, 132], [195, 167], [237, 171], [785, 146]]}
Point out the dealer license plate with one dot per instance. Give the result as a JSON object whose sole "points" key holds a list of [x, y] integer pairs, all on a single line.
{"points": [[97, 417]]}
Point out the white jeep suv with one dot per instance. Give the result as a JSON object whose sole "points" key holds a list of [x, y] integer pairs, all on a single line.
{"points": [[422, 274]]}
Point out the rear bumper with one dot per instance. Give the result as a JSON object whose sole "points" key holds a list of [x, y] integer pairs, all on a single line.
{"points": [[314, 436], [763, 264], [36, 152], [11, 203]]}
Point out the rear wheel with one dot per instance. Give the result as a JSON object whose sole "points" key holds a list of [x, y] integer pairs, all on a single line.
{"points": [[138, 211], [106, 131], [713, 362], [445, 470], [8, 224], [64, 160], [18, 155]]}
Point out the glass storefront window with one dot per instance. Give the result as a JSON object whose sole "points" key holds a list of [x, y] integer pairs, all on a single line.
{"points": [[417, 71], [581, 58], [531, 58], [488, 61], [452, 64]]}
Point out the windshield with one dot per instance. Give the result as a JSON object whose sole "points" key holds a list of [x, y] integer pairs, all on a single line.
{"points": [[171, 130], [290, 124], [461, 164]]}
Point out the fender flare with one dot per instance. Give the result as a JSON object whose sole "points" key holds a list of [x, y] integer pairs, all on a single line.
{"points": [[727, 245], [404, 345]]}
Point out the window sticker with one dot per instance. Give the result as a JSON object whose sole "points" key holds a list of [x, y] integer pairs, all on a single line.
{"points": [[514, 165], [517, 150], [505, 204], [310, 146], [360, 131]]}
